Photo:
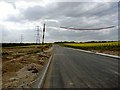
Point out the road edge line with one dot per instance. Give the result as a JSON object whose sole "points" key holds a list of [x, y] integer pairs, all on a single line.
{"points": [[44, 74], [113, 56]]}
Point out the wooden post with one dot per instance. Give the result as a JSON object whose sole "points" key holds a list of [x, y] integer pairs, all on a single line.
{"points": [[43, 38]]}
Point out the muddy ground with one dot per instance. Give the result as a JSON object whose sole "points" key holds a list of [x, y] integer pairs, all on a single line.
{"points": [[21, 65]]}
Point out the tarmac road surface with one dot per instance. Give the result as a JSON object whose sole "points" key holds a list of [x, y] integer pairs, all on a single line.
{"points": [[76, 69]]}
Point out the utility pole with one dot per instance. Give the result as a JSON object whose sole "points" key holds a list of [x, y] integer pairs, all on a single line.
{"points": [[21, 38], [38, 35], [43, 38]]}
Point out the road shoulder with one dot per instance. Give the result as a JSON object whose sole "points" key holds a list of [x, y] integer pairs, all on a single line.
{"points": [[103, 54]]}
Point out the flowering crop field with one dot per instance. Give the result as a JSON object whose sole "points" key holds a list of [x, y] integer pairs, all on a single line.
{"points": [[95, 46]]}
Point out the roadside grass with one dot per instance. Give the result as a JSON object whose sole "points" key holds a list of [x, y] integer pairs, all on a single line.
{"points": [[106, 47], [24, 45], [9, 53]]}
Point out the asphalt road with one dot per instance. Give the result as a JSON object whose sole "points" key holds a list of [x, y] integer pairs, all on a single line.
{"points": [[76, 69]]}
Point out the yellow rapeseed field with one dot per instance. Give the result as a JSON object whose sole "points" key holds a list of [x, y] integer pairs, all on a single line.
{"points": [[112, 46], [93, 44]]}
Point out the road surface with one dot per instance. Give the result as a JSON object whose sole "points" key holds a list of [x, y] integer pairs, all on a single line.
{"points": [[76, 69]]}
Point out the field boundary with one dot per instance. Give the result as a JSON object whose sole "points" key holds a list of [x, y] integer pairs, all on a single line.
{"points": [[113, 56], [39, 82], [44, 74]]}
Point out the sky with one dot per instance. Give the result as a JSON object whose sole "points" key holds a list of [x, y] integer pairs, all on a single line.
{"points": [[20, 17]]}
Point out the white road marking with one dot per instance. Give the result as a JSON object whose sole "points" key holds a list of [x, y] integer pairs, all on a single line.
{"points": [[114, 56], [44, 74], [114, 72]]}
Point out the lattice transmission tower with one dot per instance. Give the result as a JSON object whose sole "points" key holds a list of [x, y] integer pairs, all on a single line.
{"points": [[38, 35]]}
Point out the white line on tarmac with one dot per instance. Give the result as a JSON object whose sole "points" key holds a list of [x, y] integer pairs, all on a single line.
{"points": [[114, 56], [44, 74]]}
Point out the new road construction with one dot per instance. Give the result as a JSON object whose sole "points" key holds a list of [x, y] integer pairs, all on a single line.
{"points": [[72, 68]]}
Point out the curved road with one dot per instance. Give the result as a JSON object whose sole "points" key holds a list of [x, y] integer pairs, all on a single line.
{"points": [[76, 69]]}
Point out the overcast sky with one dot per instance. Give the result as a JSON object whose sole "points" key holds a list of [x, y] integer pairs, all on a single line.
{"points": [[22, 16]]}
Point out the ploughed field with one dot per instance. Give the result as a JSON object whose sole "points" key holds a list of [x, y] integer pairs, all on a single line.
{"points": [[21, 65], [106, 47]]}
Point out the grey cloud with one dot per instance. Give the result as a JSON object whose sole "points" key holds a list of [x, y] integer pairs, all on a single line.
{"points": [[63, 10], [17, 19], [53, 10], [34, 13], [15, 36], [72, 14], [70, 19]]}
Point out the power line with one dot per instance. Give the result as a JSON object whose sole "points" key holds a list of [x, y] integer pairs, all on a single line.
{"points": [[89, 28]]}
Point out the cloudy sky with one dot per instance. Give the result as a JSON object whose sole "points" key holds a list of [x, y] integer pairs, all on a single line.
{"points": [[20, 17]]}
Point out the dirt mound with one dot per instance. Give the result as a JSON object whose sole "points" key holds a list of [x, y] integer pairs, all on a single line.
{"points": [[21, 66]]}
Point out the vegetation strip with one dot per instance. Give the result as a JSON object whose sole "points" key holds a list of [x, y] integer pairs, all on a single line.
{"points": [[106, 47]]}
